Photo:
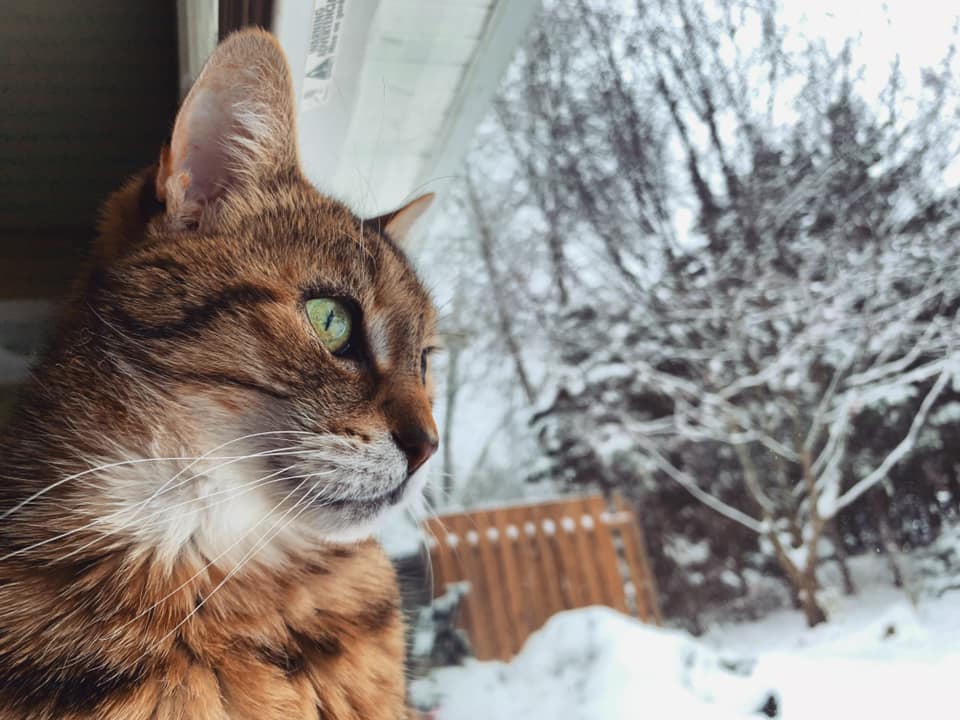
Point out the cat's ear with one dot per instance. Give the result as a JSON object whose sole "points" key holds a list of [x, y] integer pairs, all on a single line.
{"points": [[235, 125], [397, 224]]}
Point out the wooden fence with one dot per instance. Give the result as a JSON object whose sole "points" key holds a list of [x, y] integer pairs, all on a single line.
{"points": [[527, 562]]}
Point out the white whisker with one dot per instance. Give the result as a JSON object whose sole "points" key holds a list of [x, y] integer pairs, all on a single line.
{"points": [[135, 461], [100, 519], [234, 493]]}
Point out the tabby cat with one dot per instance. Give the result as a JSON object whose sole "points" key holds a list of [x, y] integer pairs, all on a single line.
{"points": [[238, 391]]}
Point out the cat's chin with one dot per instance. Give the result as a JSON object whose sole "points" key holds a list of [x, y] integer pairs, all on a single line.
{"points": [[340, 489], [349, 521]]}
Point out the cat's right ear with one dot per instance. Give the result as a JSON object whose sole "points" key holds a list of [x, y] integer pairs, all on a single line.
{"points": [[398, 223], [235, 126]]}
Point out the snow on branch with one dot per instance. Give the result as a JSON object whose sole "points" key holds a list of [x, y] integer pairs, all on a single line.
{"points": [[690, 485], [905, 446]]}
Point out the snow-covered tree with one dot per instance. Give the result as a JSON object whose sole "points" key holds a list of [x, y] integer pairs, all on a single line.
{"points": [[742, 272]]}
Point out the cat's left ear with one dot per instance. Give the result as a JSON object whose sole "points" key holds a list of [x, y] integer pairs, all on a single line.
{"points": [[397, 224], [235, 127]]}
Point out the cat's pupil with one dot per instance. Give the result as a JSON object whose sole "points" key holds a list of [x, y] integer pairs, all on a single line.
{"points": [[326, 325]]}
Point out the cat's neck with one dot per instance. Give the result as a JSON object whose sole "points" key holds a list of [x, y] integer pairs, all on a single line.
{"points": [[122, 631]]}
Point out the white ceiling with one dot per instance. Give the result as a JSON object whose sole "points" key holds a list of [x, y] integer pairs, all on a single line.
{"points": [[410, 81]]}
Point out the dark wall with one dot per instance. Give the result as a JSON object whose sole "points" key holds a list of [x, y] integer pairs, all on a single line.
{"points": [[88, 91]]}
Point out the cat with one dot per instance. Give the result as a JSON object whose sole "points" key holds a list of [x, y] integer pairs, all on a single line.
{"points": [[238, 391]]}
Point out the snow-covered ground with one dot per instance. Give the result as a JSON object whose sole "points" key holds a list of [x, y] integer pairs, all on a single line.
{"points": [[881, 656]]}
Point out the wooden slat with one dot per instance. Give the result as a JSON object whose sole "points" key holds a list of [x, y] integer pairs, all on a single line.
{"points": [[536, 588], [584, 541], [530, 583], [548, 542], [519, 579], [512, 582], [607, 558], [547, 567], [493, 581], [475, 603], [569, 557]]}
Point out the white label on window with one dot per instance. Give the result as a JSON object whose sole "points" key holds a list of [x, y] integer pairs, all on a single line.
{"points": [[324, 43]]}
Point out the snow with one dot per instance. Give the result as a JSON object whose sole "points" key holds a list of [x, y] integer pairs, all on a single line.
{"points": [[880, 657], [684, 552], [609, 372], [947, 413], [597, 663]]}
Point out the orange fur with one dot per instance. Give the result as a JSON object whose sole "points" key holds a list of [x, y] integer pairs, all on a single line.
{"points": [[182, 484]]}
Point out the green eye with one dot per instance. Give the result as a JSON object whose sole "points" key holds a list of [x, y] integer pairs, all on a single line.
{"points": [[332, 321]]}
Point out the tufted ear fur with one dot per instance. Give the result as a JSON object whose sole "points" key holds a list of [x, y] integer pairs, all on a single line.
{"points": [[235, 126], [397, 224]]}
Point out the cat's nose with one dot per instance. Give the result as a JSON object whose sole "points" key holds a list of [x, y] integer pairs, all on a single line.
{"points": [[418, 444]]}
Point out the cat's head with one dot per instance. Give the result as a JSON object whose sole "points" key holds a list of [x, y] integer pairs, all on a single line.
{"points": [[262, 319]]}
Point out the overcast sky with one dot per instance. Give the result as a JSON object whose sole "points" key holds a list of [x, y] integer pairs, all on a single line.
{"points": [[920, 30]]}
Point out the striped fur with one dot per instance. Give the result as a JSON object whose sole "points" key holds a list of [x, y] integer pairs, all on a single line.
{"points": [[187, 484]]}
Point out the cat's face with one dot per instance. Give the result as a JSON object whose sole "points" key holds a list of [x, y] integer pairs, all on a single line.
{"points": [[278, 326]]}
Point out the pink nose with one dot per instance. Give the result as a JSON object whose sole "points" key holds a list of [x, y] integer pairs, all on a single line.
{"points": [[418, 444]]}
